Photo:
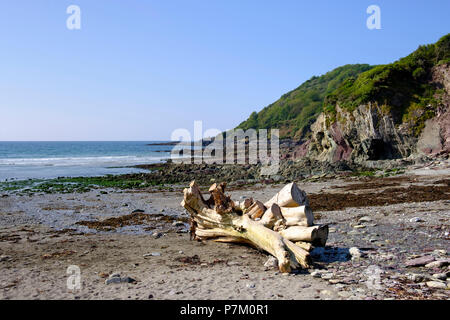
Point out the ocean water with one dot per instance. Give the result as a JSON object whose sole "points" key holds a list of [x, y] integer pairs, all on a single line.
{"points": [[36, 160]]}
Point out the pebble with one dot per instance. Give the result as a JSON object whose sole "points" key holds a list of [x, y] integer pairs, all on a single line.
{"points": [[416, 277], [344, 294], [180, 252], [113, 280], [440, 276], [436, 285], [316, 274], [250, 285], [436, 264], [355, 252], [271, 262], [4, 258], [365, 219], [416, 219], [178, 224], [418, 262], [359, 226], [440, 252], [153, 254], [326, 292], [327, 276]]}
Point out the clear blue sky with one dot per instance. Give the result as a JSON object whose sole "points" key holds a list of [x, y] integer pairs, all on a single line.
{"points": [[138, 69]]}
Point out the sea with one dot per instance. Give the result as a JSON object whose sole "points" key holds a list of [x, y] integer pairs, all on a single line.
{"points": [[45, 160]]}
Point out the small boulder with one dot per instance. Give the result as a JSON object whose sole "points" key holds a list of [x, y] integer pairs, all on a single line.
{"points": [[419, 262]]}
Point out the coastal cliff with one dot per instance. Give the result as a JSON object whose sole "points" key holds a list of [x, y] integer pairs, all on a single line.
{"points": [[394, 111]]}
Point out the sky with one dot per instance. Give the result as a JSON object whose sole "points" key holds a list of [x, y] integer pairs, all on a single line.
{"points": [[139, 69]]}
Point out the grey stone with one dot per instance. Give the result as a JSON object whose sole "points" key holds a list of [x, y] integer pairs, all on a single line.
{"points": [[127, 280], [416, 219], [437, 264], [153, 254], [365, 219], [355, 252], [157, 235], [436, 285], [178, 224], [250, 285], [4, 258], [416, 277]]}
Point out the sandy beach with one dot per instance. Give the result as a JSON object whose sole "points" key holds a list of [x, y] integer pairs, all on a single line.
{"points": [[144, 236]]}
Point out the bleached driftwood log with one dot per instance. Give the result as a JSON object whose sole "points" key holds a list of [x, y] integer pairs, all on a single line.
{"points": [[220, 219], [283, 226]]}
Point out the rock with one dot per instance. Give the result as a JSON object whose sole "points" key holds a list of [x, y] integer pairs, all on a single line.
{"points": [[272, 262], [153, 254], [114, 275], [138, 211], [178, 224], [436, 285], [250, 285], [416, 277], [365, 219], [440, 252], [437, 264], [326, 292], [334, 281], [180, 252], [4, 258], [344, 294], [113, 280], [316, 274], [128, 280], [416, 219], [157, 235], [355, 252], [359, 226], [327, 276], [233, 263], [440, 276], [418, 262]]}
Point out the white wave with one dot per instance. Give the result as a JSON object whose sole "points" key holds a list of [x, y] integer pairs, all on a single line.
{"points": [[82, 161]]}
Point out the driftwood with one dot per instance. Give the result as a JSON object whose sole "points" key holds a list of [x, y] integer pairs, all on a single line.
{"points": [[263, 226]]}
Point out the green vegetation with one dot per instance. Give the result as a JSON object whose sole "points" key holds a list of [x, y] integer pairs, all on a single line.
{"points": [[402, 89], [295, 111]]}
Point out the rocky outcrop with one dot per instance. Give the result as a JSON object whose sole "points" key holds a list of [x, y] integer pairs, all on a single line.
{"points": [[435, 137], [371, 133]]}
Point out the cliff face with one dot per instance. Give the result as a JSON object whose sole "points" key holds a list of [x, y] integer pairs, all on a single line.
{"points": [[371, 132]]}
